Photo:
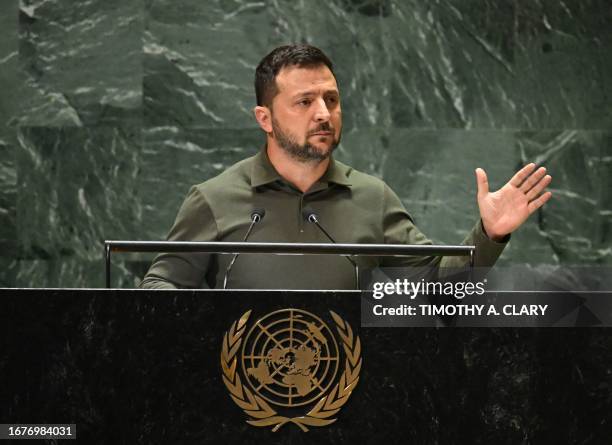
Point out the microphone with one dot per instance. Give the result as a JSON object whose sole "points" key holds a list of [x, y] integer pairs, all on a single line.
{"points": [[309, 215], [256, 216]]}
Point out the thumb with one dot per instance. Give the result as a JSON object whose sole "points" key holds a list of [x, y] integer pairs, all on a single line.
{"points": [[482, 183]]}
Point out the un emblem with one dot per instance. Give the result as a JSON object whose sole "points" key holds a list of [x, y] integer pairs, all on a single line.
{"points": [[290, 360]]}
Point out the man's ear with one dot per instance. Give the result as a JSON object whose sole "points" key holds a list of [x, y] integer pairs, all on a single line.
{"points": [[264, 118]]}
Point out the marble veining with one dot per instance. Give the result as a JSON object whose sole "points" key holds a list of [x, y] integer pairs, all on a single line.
{"points": [[111, 110]]}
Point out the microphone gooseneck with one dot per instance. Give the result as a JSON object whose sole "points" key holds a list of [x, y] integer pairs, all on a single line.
{"points": [[256, 216], [309, 215]]}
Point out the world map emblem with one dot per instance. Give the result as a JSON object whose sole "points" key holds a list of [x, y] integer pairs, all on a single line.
{"points": [[284, 367]]}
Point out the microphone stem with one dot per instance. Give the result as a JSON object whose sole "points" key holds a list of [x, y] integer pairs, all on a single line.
{"points": [[231, 264], [316, 222], [253, 222], [324, 231]]}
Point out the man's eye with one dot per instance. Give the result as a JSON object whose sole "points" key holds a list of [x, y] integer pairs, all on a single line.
{"points": [[304, 102], [332, 100]]}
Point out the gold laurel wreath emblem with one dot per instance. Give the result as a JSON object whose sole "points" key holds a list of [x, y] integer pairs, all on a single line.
{"points": [[261, 413]]}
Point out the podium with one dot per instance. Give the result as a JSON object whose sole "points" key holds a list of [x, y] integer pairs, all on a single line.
{"points": [[145, 367]]}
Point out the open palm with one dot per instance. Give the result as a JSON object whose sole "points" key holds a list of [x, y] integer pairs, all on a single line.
{"points": [[503, 211]]}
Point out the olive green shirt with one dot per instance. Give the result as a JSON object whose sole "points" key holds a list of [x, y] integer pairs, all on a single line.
{"points": [[352, 206]]}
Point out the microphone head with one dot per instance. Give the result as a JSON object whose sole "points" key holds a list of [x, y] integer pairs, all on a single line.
{"points": [[309, 215], [258, 214]]}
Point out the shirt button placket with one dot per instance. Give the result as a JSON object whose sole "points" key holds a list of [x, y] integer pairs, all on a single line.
{"points": [[300, 218]]}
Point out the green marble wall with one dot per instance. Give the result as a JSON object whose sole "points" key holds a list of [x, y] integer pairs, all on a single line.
{"points": [[110, 109]]}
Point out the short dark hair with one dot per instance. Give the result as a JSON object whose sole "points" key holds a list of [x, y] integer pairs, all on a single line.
{"points": [[301, 55]]}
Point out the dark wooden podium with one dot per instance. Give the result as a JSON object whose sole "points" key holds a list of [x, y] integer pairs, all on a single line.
{"points": [[144, 367]]}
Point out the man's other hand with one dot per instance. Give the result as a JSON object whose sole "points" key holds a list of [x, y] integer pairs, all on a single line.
{"points": [[503, 211]]}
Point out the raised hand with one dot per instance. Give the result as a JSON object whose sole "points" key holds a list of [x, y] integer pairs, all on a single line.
{"points": [[503, 211]]}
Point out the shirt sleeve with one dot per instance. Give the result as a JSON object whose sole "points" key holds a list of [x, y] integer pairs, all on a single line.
{"points": [[399, 228], [194, 222]]}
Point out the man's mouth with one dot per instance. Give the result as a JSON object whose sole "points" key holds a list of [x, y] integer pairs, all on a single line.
{"points": [[325, 129]]}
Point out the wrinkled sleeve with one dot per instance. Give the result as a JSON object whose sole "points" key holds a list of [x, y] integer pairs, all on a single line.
{"points": [[399, 228], [194, 222]]}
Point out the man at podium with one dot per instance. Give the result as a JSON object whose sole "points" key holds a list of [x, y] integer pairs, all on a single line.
{"points": [[295, 175]]}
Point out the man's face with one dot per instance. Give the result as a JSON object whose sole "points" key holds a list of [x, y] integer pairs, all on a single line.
{"points": [[306, 115]]}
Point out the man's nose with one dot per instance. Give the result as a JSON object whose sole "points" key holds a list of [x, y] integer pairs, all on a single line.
{"points": [[321, 112]]}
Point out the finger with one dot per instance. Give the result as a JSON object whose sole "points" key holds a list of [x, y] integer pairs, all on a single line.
{"points": [[533, 179], [537, 203], [538, 188], [522, 174], [482, 182]]}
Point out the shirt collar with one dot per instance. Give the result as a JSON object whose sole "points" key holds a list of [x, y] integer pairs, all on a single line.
{"points": [[263, 171]]}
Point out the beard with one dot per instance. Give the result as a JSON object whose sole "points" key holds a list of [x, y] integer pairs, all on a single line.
{"points": [[304, 152]]}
